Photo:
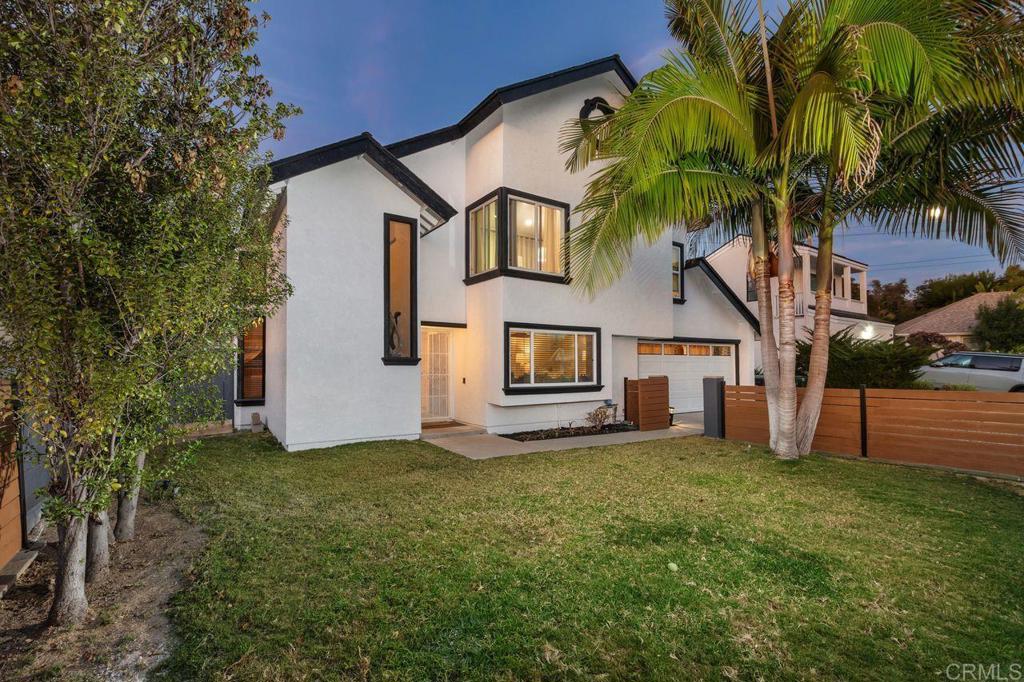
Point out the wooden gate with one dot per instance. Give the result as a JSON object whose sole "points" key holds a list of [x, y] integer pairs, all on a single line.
{"points": [[647, 403]]}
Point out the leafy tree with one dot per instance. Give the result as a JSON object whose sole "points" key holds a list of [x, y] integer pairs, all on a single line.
{"points": [[1000, 327], [891, 301], [855, 362], [941, 291], [134, 238], [933, 341]]}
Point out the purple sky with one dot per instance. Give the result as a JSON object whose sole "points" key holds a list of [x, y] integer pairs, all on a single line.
{"points": [[402, 67]]}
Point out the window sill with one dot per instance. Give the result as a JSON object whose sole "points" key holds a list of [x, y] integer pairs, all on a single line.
{"points": [[541, 390], [400, 361], [250, 402]]}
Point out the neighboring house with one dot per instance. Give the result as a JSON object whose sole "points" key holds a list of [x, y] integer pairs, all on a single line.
{"points": [[849, 290], [428, 285], [955, 321]]}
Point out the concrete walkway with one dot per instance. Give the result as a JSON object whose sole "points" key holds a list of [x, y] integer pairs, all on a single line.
{"points": [[477, 445]]}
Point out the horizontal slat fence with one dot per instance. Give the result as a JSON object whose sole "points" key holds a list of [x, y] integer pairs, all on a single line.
{"points": [[969, 430]]}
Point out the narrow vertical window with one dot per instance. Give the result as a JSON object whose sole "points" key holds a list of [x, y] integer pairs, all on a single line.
{"points": [[677, 273], [252, 362], [400, 324], [483, 238]]}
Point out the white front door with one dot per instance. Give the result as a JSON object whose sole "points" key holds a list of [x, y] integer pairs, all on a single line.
{"points": [[435, 389]]}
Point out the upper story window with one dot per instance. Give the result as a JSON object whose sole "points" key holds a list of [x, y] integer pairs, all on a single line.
{"points": [[400, 327], [483, 238], [512, 233], [536, 232], [677, 273], [252, 362], [751, 288]]}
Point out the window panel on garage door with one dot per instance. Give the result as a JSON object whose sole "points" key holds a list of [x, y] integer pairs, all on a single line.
{"points": [[686, 365]]}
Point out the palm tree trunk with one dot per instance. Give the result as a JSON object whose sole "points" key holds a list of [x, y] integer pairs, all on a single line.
{"points": [[69, 602], [763, 286], [785, 445], [810, 406]]}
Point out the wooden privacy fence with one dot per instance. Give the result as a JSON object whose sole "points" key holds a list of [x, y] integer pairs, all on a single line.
{"points": [[647, 403], [10, 488], [969, 430]]}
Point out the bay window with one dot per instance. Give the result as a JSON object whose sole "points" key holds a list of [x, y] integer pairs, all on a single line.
{"points": [[551, 359], [514, 234]]}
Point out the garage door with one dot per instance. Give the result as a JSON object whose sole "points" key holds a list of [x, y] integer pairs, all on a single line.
{"points": [[686, 365]]}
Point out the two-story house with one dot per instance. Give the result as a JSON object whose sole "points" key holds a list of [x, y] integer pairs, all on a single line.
{"points": [[429, 285], [849, 281]]}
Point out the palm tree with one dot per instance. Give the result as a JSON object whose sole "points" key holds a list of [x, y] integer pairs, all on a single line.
{"points": [[708, 136]]}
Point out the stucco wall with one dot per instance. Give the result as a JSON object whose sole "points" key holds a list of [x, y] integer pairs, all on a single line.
{"points": [[707, 313], [338, 390]]}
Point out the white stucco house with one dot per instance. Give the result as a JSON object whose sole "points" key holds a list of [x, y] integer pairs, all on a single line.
{"points": [[849, 290], [428, 285]]}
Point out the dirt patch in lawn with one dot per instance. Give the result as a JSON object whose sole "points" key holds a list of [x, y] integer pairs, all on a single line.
{"points": [[569, 432], [126, 632]]}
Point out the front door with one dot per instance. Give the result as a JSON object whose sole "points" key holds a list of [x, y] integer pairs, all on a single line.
{"points": [[435, 391]]}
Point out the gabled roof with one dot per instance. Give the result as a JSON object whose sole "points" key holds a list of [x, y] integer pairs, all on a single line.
{"points": [[729, 294], [958, 317], [386, 162], [511, 93]]}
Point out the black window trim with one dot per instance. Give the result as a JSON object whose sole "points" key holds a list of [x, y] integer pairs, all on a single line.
{"points": [[679, 300], [413, 358], [251, 402], [508, 389], [504, 195]]}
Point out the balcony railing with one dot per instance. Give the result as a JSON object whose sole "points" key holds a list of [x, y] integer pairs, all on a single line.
{"points": [[798, 305]]}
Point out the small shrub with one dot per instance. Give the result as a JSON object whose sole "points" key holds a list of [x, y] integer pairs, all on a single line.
{"points": [[599, 416], [853, 362], [922, 385]]}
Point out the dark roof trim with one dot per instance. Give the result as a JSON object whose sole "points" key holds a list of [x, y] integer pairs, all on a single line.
{"points": [[717, 280], [511, 93], [380, 157], [855, 316]]}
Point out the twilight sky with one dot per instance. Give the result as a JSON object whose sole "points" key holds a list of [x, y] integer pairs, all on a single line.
{"points": [[398, 68]]}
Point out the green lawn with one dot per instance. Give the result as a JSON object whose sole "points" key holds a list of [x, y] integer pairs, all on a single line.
{"points": [[667, 560]]}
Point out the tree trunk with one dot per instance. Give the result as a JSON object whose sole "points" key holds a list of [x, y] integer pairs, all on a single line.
{"points": [[810, 406], [97, 557], [128, 503], [763, 286], [785, 445], [69, 603]]}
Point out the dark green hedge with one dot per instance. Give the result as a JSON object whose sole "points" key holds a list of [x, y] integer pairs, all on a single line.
{"points": [[854, 362]]}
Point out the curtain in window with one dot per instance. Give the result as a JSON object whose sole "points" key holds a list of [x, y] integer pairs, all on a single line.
{"points": [[483, 234], [553, 358]]}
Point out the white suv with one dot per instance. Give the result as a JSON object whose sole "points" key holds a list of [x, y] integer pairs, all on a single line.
{"points": [[985, 371]]}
